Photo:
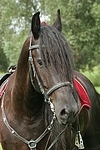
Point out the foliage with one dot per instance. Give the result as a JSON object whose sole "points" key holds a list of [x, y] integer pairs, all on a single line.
{"points": [[93, 76], [0, 147], [81, 26], [15, 25], [3, 61], [97, 89]]}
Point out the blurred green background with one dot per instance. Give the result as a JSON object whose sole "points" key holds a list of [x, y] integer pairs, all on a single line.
{"points": [[80, 26]]}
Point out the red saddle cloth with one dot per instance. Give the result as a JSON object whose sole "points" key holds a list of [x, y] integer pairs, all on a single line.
{"points": [[3, 88], [83, 95]]}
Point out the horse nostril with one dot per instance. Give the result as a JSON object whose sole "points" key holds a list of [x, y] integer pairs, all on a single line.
{"points": [[64, 113], [67, 116], [64, 116]]}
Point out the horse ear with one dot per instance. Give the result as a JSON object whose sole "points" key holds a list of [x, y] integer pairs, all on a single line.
{"points": [[35, 25], [57, 22]]}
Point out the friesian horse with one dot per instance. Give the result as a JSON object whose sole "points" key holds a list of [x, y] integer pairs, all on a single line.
{"points": [[40, 106], [39, 102]]}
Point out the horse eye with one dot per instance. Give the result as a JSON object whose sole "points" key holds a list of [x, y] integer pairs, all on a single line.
{"points": [[39, 61]]}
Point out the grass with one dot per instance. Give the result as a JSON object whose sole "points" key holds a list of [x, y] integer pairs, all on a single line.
{"points": [[94, 77], [97, 89], [1, 74], [0, 147]]}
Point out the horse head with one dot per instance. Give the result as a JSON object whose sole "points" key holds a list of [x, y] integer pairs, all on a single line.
{"points": [[51, 68]]}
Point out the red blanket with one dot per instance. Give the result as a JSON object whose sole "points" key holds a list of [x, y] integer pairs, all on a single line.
{"points": [[83, 95], [3, 88]]}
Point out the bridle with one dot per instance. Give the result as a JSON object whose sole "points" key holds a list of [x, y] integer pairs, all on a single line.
{"points": [[49, 92], [33, 143], [32, 69]]}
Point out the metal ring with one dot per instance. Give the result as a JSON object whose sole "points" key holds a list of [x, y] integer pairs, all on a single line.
{"points": [[32, 144]]}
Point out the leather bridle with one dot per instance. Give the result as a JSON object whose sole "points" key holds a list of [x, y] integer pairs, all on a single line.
{"points": [[48, 93], [32, 69]]}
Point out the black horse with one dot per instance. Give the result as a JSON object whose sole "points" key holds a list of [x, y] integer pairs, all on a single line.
{"points": [[40, 107], [40, 103]]}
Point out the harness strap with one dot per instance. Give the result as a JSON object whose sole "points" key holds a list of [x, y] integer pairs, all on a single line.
{"points": [[33, 47], [31, 143], [57, 138], [59, 85]]}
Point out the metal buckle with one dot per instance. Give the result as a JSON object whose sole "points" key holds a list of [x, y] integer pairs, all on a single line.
{"points": [[32, 144]]}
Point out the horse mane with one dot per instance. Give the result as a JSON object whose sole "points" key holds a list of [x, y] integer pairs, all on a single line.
{"points": [[56, 52]]}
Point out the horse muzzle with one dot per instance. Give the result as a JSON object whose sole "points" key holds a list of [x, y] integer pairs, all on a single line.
{"points": [[66, 116], [66, 113]]}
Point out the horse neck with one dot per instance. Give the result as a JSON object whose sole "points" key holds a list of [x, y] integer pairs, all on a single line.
{"points": [[25, 98]]}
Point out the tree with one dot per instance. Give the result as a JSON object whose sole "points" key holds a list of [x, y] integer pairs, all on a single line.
{"points": [[81, 26], [3, 61], [15, 25]]}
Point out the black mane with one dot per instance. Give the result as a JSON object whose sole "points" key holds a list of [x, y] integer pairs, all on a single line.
{"points": [[56, 52]]}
